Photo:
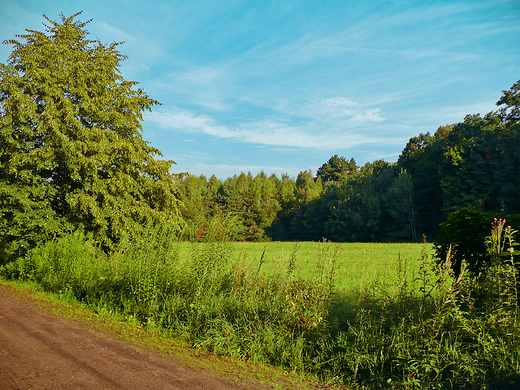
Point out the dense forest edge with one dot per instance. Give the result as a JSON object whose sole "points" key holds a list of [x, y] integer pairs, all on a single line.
{"points": [[88, 212], [472, 164]]}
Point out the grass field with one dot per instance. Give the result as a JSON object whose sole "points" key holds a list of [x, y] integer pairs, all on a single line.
{"points": [[357, 265], [360, 315]]}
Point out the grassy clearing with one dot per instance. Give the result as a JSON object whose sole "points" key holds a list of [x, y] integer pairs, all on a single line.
{"points": [[357, 265], [402, 329]]}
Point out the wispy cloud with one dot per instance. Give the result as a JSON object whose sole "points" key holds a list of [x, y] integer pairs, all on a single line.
{"points": [[290, 84], [282, 75], [183, 120], [311, 133], [142, 50], [457, 113], [115, 34], [340, 109]]}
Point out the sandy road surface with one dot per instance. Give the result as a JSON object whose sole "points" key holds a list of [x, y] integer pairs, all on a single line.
{"points": [[39, 350]]}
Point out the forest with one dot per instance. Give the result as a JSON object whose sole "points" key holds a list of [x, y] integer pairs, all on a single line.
{"points": [[471, 164], [72, 156]]}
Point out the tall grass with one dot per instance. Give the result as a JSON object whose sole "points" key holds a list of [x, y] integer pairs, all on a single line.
{"points": [[446, 333], [357, 264]]}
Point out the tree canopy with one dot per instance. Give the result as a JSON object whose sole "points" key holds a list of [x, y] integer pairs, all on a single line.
{"points": [[336, 169], [471, 164], [71, 149]]}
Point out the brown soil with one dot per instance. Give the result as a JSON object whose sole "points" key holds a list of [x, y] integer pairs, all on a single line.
{"points": [[40, 350]]}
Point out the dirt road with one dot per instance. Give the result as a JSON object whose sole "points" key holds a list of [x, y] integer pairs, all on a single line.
{"points": [[39, 350]]}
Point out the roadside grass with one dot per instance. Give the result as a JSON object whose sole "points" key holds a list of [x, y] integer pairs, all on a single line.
{"points": [[158, 341], [406, 324]]}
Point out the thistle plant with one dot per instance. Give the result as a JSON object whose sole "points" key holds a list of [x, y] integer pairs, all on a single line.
{"points": [[496, 242], [503, 275]]}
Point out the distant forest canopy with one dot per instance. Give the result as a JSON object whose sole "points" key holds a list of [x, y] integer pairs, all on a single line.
{"points": [[474, 163]]}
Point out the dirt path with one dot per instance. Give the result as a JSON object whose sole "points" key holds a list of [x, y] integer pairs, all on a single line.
{"points": [[39, 350]]}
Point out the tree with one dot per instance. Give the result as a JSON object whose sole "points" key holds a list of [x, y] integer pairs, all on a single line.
{"points": [[286, 197], [336, 169], [506, 168], [462, 237], [307, 189], [71, 149], [510, 104], [400, 203], [355, 207], [423, 158]]}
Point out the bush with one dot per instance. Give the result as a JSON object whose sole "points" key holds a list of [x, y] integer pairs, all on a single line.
{"points": [[463, 237]]}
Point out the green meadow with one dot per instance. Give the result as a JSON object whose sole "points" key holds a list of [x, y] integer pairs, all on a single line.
{"points": [[359, 315], [356, 265]]}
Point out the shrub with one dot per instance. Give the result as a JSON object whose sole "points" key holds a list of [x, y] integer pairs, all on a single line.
{"points": [[464, 234]]}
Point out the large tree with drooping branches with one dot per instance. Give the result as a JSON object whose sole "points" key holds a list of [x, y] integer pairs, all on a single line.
{"points": [[71, 148]]}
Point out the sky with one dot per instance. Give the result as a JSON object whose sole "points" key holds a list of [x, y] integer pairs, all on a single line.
{"points": [[281, 86]]}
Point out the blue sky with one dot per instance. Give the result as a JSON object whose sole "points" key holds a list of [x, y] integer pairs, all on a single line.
{"points": [[281, 86]]}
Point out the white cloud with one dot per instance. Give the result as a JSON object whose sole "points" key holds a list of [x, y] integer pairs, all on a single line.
{"points": [[183, 120], [450, 114], [202, 75], [341, 109], [114, 33], [269, 132]]}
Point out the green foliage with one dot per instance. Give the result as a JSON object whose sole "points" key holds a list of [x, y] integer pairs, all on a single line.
{"points": [[27, 218], [199, 197], [399, 338], [253, 200], [400, 199], [356, 212], [470, 163], [463, 238], [286, 195], [421, 158], [71, 150], [307, 189], [510, 104], [55, 264], [356, 206], [436, 337], [204, 218], [502, 286], [213, 229], [336, 169]]}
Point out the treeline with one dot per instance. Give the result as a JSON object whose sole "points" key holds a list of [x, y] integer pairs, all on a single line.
{"points": [[72, 157], [469, 164]]}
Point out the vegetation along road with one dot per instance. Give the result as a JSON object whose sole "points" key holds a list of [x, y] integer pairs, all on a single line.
{"points": [[39, 350]]}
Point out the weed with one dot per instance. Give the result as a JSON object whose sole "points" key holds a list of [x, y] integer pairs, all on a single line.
{"points": [[416, 326]]}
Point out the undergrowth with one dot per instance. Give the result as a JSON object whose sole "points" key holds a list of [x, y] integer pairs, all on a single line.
{"points": [[451, 333]]}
